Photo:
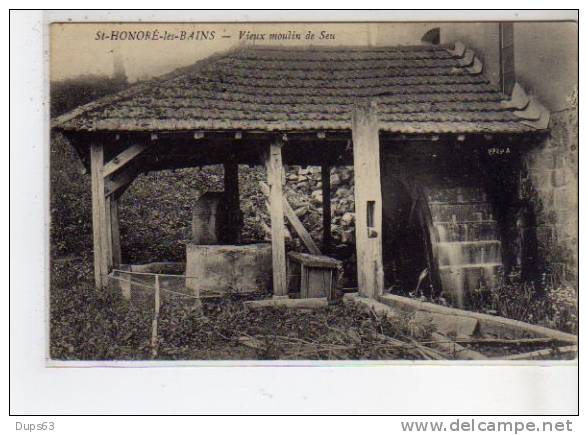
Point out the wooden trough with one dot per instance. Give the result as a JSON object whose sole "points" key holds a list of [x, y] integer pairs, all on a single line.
{"points": [[456, 328], [462, 334]]}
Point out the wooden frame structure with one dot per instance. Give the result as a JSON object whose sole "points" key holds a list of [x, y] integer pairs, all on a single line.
{"points": [[285, 105], [114, 167]]}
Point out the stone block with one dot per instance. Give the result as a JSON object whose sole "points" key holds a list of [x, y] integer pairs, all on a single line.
{"points": [[565, 197], [567, 225], [208, 218], [542, 179], [546, 197], [561, 160], [347, 219], [545, 236], [542, 159], [220, 268], [560, 177], [335, 179]]}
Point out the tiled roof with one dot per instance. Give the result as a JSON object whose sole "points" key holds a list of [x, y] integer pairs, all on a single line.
{"points": [[419, 89]]}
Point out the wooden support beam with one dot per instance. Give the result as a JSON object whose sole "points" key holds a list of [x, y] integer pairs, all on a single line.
{"points": [[231, 181], [108, 229], [326, 186], [100, 235], [123, 159], [274, 170], [368, 201], [117, 183], [115, 232], [295, 222]]}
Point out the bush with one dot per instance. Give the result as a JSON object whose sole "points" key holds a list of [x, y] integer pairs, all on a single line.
{"points": [[553, 306], [70, 201], [93, 325]]}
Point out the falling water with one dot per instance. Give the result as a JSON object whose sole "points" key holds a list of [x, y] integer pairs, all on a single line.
{"points": [[468, 249]]}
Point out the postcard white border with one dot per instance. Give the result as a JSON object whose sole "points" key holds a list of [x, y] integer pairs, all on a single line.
{"points": [[40, 386]]}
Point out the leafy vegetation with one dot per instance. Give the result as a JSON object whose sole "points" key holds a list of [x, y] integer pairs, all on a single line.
{"points": [[71, 93], [546, 304], [87, 324]]}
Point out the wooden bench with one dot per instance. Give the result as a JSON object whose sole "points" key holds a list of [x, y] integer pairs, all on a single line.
{"points": [[315, 276]]}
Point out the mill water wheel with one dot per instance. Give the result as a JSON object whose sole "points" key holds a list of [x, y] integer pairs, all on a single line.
{"points": [[450, 232], [465, 241]]}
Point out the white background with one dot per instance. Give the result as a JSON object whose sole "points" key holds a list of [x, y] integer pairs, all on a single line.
{"points": [[342, 389]]}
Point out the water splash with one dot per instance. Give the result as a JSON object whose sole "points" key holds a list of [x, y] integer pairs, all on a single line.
{"points": [[467, 254]]}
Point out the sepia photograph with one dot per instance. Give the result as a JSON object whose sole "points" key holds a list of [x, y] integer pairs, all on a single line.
{"points": [[306, 191]]}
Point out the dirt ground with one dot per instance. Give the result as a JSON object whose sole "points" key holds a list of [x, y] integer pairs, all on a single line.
{"points": [[90, 325]]}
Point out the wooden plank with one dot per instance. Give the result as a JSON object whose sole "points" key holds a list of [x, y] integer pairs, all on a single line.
{"points": [[108, 229], [274, 170], [304, 304], [165, 268], [124, 281], [115, 232], [304, 282], [334, 295], [326, 186], [231, 182], [123, 158], [454, 326], [99, 216], [455, 349], [157, 303], [293, 271], [371, 305], [316, 283], [295, 222], [488, 324], [368, 201], [319, 261], [117, 183]]}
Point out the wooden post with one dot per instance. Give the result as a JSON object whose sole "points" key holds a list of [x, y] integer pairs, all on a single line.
{"points": [[231, 180], [99, 230], [368, 202], [115, 231], [154, 340], [274, 170], [326, 182], [108, 227]]}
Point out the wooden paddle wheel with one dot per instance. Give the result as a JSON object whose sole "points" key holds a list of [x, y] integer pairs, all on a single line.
{"points": [[440, 241]]}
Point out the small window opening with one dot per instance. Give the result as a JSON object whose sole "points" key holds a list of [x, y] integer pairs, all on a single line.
{"points": [[371, 207], [370, 213]]}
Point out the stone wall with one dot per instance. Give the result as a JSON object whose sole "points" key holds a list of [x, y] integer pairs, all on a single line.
{"points": [[303, 189], [550, 183]]}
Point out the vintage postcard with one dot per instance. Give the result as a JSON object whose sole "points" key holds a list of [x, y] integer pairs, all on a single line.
{"points": [[313, 191]]}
